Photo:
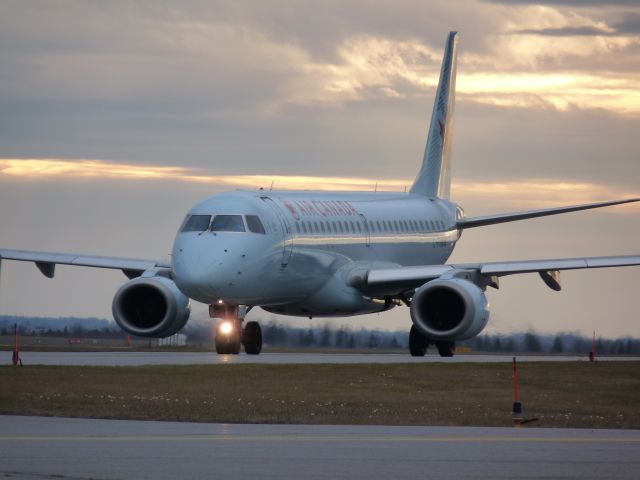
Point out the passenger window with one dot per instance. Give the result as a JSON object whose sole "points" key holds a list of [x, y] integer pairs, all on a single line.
{"points": [[228, 223], [196, 223], [255, 225]]}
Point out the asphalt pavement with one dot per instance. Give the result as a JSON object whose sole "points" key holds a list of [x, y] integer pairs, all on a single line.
{"points": [[39, 448], [124, 358]]}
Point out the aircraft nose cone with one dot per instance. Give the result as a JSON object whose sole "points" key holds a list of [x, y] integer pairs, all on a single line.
{"points": [[192, 274]]}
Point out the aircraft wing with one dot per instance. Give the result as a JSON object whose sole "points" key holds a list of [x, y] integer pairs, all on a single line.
{"points": [[514, 216], [388, 281], [46, 261]]}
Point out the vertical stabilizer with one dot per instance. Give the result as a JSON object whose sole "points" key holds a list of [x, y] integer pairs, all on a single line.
{"points": [[434, 179]]}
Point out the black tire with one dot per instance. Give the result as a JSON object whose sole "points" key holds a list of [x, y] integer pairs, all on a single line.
{"points": [[234, 348], [446, 349], [252, 338], [226, 345], [222, 346], [418, 343]]}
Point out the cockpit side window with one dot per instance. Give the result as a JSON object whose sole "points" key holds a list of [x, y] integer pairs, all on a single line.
{"points": [[254, 224], [196, 223], [227, 223]]}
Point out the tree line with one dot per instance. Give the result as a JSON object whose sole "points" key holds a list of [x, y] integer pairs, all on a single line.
{"points": [[277, 334]]}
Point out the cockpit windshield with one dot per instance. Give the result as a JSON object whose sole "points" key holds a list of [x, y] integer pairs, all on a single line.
{"points": [[254, 224], [227, 223], [196, 223]]}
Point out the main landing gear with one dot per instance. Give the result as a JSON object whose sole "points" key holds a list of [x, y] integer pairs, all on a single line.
{"points": [[418, 344], [230, 334]]}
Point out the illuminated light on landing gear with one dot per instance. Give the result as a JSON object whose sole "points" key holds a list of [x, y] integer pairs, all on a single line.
{"points": [[226, 328]]}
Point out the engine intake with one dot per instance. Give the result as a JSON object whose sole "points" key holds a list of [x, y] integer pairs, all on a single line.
{"points": [[452, 309], [150, 307]]}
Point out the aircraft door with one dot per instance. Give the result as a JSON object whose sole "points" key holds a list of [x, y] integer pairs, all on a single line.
{"points": [[285, 228]]}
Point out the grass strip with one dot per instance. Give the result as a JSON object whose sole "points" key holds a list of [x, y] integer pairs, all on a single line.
{"points": [[568, 394]]}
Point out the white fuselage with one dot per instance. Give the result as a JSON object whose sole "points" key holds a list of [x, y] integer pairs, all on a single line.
{"points": [[311, 241]]}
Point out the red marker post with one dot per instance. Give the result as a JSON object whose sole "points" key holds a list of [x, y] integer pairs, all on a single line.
{"points": [[16, 346], [517, 405]]}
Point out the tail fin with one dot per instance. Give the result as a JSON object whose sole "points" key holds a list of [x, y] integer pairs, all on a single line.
{"points": [[434, 178]]}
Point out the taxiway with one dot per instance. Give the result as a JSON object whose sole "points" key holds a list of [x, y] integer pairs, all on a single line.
{"points": [[207, 358], [36, 448]]}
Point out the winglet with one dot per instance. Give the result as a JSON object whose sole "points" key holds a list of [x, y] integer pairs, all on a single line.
{"points": [[434, 178]]}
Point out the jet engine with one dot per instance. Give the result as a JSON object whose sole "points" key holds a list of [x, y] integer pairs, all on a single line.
{"points": [[449, 309], [150, 307]]}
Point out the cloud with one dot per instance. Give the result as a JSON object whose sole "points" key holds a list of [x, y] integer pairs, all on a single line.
{"points": [[629, 25], [173, 57], [572, 3], [504, 193], [567, 31]]}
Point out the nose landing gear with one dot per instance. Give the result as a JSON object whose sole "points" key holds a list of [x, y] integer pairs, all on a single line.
{"points": [[228, 337], [230, 334]]}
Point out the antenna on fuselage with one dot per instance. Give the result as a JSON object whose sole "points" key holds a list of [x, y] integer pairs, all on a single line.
{"points": [[271, 187]]}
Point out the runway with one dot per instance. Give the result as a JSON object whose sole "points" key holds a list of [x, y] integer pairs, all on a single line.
{"points": [[208, 358], [36, 448]]}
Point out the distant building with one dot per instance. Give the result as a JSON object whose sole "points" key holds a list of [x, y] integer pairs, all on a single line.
{"points": [[177, 340]]}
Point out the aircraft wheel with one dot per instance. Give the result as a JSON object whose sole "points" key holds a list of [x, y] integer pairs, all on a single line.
{"points": [[227, 342], [222, 346], [234, 348], [252, 338], [418, 343], [445, 348]]}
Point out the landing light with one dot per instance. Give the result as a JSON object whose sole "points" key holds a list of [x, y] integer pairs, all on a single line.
{"points": [[226, 328]]}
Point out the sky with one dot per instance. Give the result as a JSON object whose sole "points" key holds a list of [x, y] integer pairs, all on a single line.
{"points": [[116, 117]]}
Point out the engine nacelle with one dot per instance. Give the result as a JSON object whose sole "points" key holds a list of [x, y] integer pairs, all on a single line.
{"points": [[150, 307], [451, 309]]}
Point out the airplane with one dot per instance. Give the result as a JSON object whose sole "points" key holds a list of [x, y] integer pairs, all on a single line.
{"points": [[328, 254]]}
